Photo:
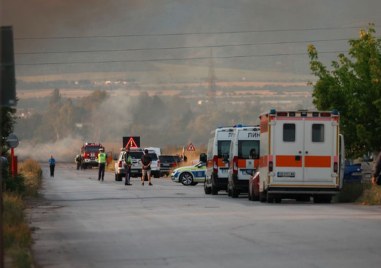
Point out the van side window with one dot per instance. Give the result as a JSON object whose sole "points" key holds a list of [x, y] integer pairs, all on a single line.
{"points": [[317, 133], [289, 132]]}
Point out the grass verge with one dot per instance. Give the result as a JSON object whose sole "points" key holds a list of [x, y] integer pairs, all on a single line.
{"points": [[16, 232]]}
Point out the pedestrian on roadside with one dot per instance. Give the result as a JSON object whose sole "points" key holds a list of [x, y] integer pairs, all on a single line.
{"points": [[52, 165], [376, 178], [127, 165], [78, 160], [146, 167], [102, 156]]}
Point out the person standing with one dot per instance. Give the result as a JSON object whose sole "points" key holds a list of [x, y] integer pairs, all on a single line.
{"points": [[78, 160], [376, 180], [102, 164], [127, 165], [146, 167], [52, 165]]}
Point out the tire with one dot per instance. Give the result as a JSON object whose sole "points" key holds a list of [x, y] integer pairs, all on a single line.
{"points": [[207, 190], [235, 192], [118, 177], [250, 196], [214, 189], [322, 199], [262, 196], [186, 179]]}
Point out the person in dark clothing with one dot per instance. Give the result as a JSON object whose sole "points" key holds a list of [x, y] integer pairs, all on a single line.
{"points": [[78, 160], [376, 180], [146, 167], [127, 165], [52, 165], [102, 164]]}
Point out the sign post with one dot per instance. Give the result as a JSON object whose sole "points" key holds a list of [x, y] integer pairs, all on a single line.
{"points": [[13, 142]]}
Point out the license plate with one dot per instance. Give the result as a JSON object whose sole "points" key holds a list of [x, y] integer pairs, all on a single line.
{"points": [[286, 174], [247, 171], [224, 170]]}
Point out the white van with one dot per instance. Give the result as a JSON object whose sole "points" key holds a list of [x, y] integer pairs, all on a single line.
{"points": [[243, 158], [216, 177], [302, 156]]}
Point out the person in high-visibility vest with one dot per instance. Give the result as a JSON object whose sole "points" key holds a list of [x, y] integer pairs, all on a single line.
{"points": [[128, 163], [102, 156]]}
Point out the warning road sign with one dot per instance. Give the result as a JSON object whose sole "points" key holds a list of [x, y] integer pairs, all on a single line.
{"points": [[133, 142], [191, 148]]}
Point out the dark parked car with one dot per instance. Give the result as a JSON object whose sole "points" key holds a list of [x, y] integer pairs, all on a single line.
{"points": [[167, 164], [352, 172]]}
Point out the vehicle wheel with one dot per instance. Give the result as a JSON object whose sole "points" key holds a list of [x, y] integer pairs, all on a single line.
{"points": [[322, 199], [270, 198], [278, 200], [186, 179], [118, 177], [207, 189], [214, 190], [229, 191], [235, 192], [250, 196], [262, 196]]}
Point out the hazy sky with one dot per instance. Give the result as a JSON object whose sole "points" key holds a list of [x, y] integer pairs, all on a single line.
{"points": [[172, 40]]}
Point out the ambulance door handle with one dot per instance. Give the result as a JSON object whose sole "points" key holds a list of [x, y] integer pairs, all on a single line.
{"points": [[297, 158], [300, 152], [306, 152]]}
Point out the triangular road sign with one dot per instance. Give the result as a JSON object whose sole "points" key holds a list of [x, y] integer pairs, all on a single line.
{"points": [[131, 142], [191, 147]]}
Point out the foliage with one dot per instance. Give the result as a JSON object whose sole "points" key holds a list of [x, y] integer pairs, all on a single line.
{"points": [[354, 88], [7, 120], [371, 195], [351, 192], [32, 173], [14, 184]]}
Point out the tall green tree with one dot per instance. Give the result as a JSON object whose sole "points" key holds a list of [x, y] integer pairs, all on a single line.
{"points": [[353, 87]]}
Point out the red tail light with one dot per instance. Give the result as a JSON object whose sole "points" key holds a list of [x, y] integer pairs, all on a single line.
{"points": [[215, 164], [271, 166], [335, 167], [174, 164], [235, 165]]}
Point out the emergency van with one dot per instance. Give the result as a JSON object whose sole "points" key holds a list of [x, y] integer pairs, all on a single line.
{"points": [[243, 159], [217, 166], [301, 156]]}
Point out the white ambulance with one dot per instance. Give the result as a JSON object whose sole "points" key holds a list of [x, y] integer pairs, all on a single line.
{"points": [[302, 156], [243, 159], [217, 166]]}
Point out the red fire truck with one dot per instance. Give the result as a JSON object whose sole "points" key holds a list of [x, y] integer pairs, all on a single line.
{"points": [[89, 153]]}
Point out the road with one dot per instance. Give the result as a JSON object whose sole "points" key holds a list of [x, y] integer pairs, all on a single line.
{"points": [[82, 222]]}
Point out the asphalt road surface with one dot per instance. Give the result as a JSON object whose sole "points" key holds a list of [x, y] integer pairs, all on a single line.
{"points": [[82, 222]]}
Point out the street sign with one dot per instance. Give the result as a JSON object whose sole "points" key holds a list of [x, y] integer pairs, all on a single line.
{"points": [[191, 148], [12, 140]]}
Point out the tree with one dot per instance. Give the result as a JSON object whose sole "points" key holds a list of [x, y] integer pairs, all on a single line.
{"points": [[353, 87], [7, 121]]}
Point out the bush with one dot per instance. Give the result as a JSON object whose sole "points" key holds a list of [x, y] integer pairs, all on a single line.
{"points": [[32, 173], [371, 195], [351, 192], [14, 184]]}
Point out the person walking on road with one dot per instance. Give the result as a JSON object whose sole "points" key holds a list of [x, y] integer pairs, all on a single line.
{"points": [[376, 179], [127, 165], [146, 167], [102, 164], [52, 165]]}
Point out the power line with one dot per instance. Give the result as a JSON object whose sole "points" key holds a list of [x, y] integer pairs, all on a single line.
{"points": [[173, 59], [181, 47], [190, 33]]}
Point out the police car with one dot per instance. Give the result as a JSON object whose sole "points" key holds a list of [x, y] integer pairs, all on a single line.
{"points": [[190, 175]]}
